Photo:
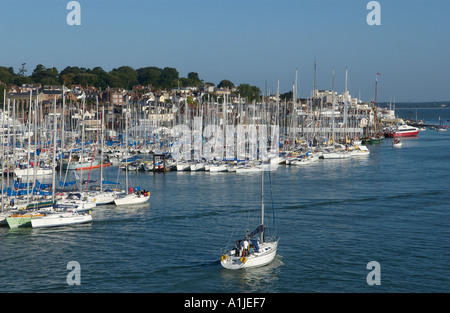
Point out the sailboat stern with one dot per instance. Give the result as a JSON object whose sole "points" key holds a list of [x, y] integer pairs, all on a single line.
{"points": [[265, 255]]}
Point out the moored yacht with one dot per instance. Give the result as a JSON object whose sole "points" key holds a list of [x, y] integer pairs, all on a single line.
{"points": [[61, 219]]}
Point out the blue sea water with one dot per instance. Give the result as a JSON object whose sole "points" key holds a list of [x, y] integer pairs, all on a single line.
{"points": [[333, 217]]}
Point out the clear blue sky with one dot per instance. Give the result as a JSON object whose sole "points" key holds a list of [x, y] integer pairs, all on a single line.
{"points": [[245, 41]]}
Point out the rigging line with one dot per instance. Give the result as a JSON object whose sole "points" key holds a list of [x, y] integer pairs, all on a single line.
{"points": [[235, 223], [249, 202], [271, 196]]}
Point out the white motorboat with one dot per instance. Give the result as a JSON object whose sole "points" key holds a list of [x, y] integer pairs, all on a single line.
{"points": [[404, 130], [61, 219]]}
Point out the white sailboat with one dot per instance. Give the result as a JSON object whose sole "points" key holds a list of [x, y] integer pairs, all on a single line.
{"points": [[249, 167], [26, 173], [255, 250], [101, 196], [131, 197], [197, 166], [61, 219], [218, 167], [78, 201], [359, 150], [183, 166]]}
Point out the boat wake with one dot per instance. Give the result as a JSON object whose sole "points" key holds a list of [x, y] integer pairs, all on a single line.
{"points": [[310, 203]]}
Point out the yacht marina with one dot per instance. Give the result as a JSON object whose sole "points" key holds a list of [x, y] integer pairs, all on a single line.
{"points": [[215, 135]]}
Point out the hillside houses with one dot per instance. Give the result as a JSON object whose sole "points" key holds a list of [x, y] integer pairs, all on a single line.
{"points": [[150, 103]]}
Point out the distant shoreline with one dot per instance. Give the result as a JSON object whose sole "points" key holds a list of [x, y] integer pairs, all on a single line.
{"points": [[417, 105], [419, 108]]}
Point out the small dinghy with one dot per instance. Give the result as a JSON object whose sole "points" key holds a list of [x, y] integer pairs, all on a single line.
{"points": [[397, 143]]}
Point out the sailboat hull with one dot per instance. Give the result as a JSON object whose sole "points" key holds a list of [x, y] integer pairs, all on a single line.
{"points": [[336, 155], [21, 173], [22, 220], [55, 220], [268, 251], [82, 166], [131, 199], [103, 198]]}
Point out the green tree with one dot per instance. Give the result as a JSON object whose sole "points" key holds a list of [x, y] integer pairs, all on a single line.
{"points": [[2, 90], [225, 84], [86, 79], [102, 77], [149, 76], [168, 78], [72, 70], [20, 80], [249, 92], [7, 75], [114, 81], [23, 70], [127, 75], [193, 79], [45, 76], [286, 96], [67, 79], [184, 82]]}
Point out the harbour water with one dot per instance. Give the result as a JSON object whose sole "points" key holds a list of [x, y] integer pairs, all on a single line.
{"points": [[333, 217]]}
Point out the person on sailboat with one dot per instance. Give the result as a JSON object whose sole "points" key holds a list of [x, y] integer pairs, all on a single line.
{"points": [[237, 247], [245, 246], [251, 248]]}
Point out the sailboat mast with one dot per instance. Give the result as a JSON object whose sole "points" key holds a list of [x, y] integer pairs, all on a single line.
{"points": [[82, 141], [3, 145], [126, 146], [262, 201], [29, 141], [54, 151], [346, 99], [333, 108], [103, 142], [62, 130], [375, 104]]}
